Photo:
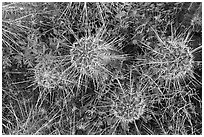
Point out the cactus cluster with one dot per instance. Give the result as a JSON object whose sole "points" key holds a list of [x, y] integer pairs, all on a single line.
{"points": [[101, 68]]}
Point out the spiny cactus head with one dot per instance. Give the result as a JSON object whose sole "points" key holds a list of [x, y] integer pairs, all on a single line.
{"points": [[128, 99], [90, 56], [46, 73], [128, 107]]}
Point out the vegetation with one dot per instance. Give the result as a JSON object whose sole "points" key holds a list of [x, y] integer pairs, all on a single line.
{"points": [[101, 68]]}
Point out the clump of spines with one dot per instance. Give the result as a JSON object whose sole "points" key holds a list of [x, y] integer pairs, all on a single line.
{"points": [[46, 72], [170, 61]]}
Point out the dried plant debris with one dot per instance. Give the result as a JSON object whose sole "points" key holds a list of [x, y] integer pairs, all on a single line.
{"points": [[101, 68]]}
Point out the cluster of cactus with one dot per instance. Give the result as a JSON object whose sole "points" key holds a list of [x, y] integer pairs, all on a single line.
{"points": [[98, 68]]}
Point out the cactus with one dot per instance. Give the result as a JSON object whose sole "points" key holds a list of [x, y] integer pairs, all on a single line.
{"points": [[101, 68]]}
